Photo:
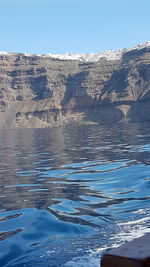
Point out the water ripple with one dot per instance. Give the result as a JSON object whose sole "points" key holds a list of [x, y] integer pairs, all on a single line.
{"points": [[67, 190]]}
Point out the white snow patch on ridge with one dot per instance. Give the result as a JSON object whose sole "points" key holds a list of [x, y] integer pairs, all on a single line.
{"points": [[92, 57], [4, 53]]}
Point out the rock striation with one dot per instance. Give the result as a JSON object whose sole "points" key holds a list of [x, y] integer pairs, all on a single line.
{"points": [[56, 90]]}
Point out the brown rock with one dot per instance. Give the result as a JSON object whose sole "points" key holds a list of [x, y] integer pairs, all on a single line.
{"points": [[39, 91], [132, 254]]}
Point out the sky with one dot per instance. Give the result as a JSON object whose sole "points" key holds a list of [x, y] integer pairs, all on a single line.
{"points": [[72, 26]]}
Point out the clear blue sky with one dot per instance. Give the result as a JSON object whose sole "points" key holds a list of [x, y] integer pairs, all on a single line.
{"points": [[82, 26]]}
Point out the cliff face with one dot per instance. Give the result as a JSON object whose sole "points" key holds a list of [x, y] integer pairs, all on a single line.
{"points": [[41, 91]]}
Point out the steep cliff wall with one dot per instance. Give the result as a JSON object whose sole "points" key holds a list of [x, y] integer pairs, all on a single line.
{"points": [[43, 91]]}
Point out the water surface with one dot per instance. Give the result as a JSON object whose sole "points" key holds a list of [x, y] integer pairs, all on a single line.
{"points": [[68, 194]]}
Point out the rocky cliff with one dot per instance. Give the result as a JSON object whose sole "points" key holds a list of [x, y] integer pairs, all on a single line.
{"points": [[46, 90]]}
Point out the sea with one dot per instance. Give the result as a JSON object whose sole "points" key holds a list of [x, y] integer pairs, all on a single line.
{"points": [[69, 194]]}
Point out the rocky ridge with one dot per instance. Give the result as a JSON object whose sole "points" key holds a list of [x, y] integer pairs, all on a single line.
{"points": [[56, 90]]}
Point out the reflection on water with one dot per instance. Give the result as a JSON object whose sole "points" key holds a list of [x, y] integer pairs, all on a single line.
{"points": [[66, 191]]}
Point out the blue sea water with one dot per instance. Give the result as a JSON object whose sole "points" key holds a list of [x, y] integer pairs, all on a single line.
{"points": [[68, 194]]}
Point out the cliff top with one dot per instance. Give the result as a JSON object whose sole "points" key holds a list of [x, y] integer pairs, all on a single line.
{"points": [[91, 57]]}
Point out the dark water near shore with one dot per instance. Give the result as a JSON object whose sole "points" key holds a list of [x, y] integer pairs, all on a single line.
{"points": [[67, 194]]}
